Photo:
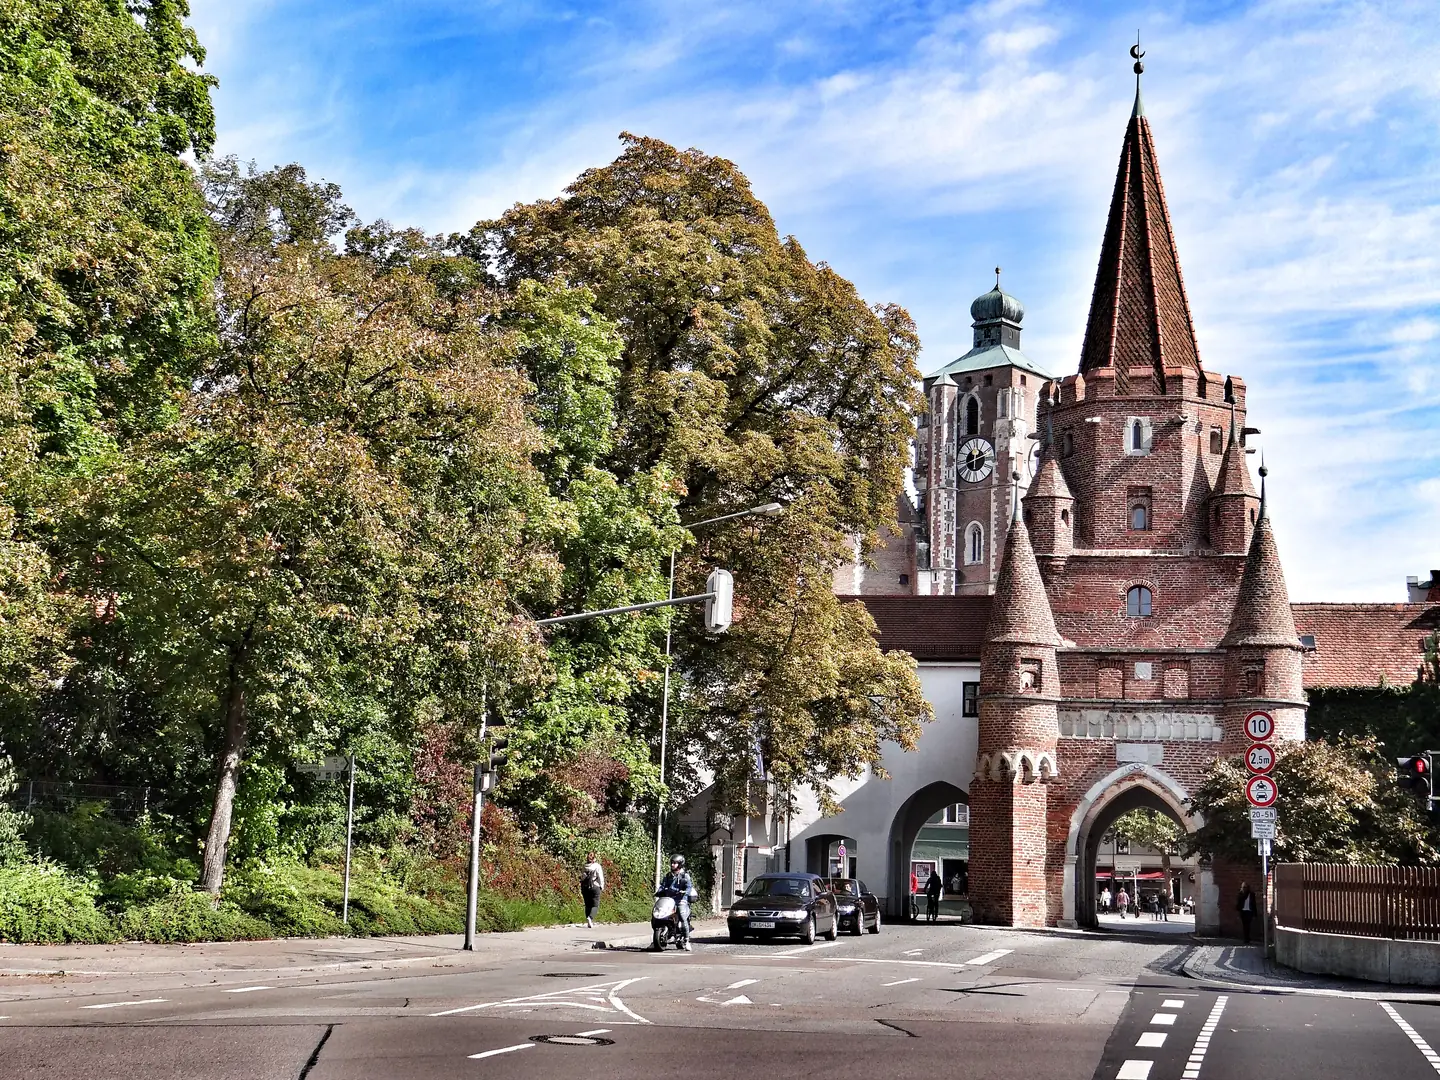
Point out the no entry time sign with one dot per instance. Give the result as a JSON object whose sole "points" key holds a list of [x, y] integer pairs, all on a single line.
{"points": [[1261, 791]]}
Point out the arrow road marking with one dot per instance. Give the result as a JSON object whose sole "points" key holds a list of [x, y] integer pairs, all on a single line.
{"points": [[600, 997], [1414, 1036], [121, 1004], [988, 958], [738, 999]]}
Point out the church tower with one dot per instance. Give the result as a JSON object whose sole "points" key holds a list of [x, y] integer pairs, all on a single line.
{"points": [[978, 432]]}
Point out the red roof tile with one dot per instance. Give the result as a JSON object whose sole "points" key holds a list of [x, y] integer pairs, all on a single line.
{"points": [[1360, 644], [930, 627]]}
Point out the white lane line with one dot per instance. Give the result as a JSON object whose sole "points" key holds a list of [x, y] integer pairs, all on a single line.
{"points": [[1202, 1041], [913, 952], [742, 982], [1163, 1019], [810, 948], [598, 992], [248, 989], [1414, 1036], [875, 960], [988, 958], [597, 1031], [620, 1005], [502, 1050], [121, 1004], [1171, 1003], [900, 982], [1134, 1070], [1151, 1038]]}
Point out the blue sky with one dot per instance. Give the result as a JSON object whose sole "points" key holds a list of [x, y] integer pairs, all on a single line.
{"points": [[914, 146]]}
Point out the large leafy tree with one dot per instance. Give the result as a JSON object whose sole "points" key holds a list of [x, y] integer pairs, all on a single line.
{"points": [[750, 374], [1151, 829]]}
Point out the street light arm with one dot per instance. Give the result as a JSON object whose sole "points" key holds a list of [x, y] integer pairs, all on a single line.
{"points": [[581, 616]]}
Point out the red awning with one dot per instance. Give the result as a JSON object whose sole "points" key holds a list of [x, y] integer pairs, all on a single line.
{"points": [[1146, 875]]}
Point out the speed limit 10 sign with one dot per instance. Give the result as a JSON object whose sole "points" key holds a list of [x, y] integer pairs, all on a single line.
{"points": [[1261, 791], [1259, 726], [1260, 758]]}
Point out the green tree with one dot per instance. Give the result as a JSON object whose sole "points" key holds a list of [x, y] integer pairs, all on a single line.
{"points": [[1151, 829], [1338, 804], [750, 374]]}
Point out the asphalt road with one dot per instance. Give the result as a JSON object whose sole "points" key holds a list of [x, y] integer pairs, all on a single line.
{"points": [[916, 1001]]}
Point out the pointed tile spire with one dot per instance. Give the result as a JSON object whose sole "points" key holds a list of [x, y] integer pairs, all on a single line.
{"points": [[1139, 314], [1262, 606], [1234, 478], [1020, 611]]}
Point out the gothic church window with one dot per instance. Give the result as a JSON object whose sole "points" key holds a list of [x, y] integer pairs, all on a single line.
{"points": [[1137, 601], [1139, 436], [974, 544], [972, 416]]}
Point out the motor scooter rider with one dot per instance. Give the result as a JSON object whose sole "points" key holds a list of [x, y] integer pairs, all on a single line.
{"points": [[678, 884]]}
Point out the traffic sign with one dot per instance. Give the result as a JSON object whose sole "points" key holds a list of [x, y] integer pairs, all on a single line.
{"points": [[1259, 725], [1263, 813], [327, 768], [1262, 830], [840, 854], [1261, 791], [1260, 758]]}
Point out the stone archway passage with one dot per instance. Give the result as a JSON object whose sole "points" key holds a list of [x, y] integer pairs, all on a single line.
{"points": [[1126, 789], [912, 815], [817, 852]]}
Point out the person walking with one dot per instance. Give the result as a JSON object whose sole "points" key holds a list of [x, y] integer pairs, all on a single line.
{"points": [[934, 887], [1245, 905], [592, 884], [914, 901], [1122, 901], [1105, 899]]}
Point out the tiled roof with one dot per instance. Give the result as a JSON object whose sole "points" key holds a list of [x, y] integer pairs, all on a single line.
{"points": [[930, 627], [1020, 610], [1049, 481], [1139, 315], [1262, 606], [1234, 478], [1359, 644], [984, 357]]}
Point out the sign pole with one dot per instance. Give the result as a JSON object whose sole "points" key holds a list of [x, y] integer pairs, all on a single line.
{"points": [[349, 829], [472, 895], [1265, 897]]}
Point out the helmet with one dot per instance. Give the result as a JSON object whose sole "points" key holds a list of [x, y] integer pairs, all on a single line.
{"points": [[678, 862]]}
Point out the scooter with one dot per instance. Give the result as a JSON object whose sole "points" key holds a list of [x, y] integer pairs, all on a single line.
{"points": [[666, 925]]}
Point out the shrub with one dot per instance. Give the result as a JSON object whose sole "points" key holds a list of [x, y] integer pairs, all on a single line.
{"points": [[186, 915], [41, 903]]}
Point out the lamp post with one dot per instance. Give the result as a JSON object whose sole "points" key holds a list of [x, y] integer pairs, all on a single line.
{"points": [[766, 510]]}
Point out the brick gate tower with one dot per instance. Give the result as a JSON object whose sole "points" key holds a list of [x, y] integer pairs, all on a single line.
{"points": [[1140, 610]]}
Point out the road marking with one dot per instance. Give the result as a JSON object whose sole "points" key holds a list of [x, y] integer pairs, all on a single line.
{"points": [[809, 948], [1420, 1044], [913, 952], [738, 999], [602, 997], [742, 982], [988, 958], [1151, 1038], [901, 982], [1163, 1019], [120, 1004], [587, 1034], [876, 960], [1171, 1003], [1134, 1070], [1202, 1041], [248, 989], [502, 1050]]}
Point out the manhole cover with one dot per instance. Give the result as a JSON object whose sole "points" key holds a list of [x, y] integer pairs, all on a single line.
{"points": [[573, 1040], [572, 974]]}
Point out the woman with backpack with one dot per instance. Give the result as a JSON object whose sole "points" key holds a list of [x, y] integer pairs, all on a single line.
{"points": [[592, 884]]}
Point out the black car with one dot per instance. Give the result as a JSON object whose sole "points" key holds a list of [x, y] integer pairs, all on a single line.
{"points": [[857, 907], [784, 905]]}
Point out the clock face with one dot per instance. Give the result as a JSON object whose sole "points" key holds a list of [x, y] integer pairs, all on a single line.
{"points": [[977, 459]]}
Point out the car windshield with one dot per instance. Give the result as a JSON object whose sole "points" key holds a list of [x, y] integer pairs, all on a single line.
{"points": [[845, 886], [778, 887]]}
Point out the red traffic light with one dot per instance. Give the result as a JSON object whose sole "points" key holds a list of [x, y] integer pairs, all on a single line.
{"points": [[1421, 768]]}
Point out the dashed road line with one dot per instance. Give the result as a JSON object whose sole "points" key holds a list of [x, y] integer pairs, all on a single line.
{"points": [[913, 952], [901, 982], [1202, 1041], [1151, 1039], [121, 1004], [809, 948], [248, 989], [1163, 1019], [1134, 1070], [988, 958], [877, 960], [502, 1050], [597, 1031], [1172, 1003], [1414, 1036]]}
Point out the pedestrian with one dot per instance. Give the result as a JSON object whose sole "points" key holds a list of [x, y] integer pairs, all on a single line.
{"points": [[914, 899], [955, 883], [1122, 901], [592, 884], [933, 891], [1245, 905], [1105, 899], [1165, 905]]}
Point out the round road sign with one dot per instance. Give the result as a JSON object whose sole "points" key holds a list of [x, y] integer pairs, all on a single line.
{"points": [[1259, 726], [1261, 791], [1260, 758]]}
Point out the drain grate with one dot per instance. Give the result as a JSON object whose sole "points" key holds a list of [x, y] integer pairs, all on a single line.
{"points": [[573, 1040], [572, 974]]}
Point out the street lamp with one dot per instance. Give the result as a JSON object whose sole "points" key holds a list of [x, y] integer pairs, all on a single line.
{"points": [[773, 509]]}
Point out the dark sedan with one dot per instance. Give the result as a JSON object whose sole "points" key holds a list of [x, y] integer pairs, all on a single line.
{"points": [[784, 905], [856, 906]]}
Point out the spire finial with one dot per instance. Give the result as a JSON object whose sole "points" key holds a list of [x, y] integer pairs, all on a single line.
{"points": [[997, 277], [1264, 472], [1015, 497], [1136, 52], [1232, 422]]}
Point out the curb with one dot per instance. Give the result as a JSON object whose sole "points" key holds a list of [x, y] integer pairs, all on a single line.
{"points": [[294, 969]]}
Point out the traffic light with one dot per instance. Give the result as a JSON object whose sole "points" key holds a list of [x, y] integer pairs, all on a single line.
{"points": [[721, 586], [498, 753], [1417, 773]]}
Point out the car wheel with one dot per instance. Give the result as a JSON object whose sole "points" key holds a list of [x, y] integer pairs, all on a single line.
{"points": [[859, 923], [875, 927], [834, 931], [736, 935], [808, 937]]}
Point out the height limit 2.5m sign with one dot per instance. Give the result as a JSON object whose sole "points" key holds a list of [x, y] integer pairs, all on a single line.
{"points": [[1259, 726], [1261, 791], [1260, 758]]}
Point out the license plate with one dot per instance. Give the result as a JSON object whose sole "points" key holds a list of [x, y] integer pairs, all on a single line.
{"points": [[762, 925]]}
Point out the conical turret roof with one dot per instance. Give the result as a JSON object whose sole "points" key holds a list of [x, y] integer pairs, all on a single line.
{"points": [[1234, 478], [1139, 314], [1049, 482], [1020, 610], [1262, 614]]}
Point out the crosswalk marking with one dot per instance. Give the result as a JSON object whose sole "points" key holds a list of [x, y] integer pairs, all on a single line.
{"points": [[1202, 1041], [1134, 1070], [1151, 1039]]}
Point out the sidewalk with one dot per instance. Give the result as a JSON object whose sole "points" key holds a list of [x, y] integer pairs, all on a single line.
{"points": [[1246, 966], [293, 956]]}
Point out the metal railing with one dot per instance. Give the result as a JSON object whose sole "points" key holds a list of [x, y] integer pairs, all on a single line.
{"points": [[120, 800], [1367, 901]]}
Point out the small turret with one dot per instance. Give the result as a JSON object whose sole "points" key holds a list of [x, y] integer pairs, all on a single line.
{"points": [[1049, 506], [1232, 506]]}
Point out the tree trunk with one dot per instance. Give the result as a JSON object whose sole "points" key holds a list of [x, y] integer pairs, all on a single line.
{"points": [[236, 730]]}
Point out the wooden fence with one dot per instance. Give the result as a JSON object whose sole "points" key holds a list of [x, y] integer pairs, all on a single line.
{"points": [[1369, 901]]}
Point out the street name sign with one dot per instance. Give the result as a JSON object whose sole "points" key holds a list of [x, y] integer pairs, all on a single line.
{"points": [[1260, 758], [1259, 725], [1261, 791], [327, 768]]}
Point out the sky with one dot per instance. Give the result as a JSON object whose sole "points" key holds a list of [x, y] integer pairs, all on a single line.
{"points": [[915, 146]]}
